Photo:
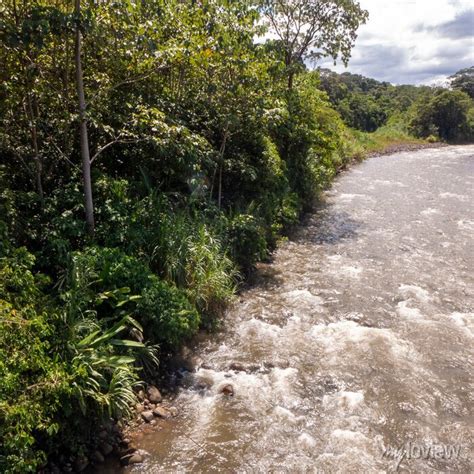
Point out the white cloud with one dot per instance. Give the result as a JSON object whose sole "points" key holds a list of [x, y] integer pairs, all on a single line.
{"points": [[413, 41]]}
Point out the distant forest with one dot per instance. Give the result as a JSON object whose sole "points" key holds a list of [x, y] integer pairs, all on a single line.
{"points": [[367, 104]]}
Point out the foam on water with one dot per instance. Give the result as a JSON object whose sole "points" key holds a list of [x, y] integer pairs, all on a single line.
{"points": [[430, 211], [448, 195], [307, 441], [465, 224], [344, 400], [348, 339], [464, 320], [407, 312], [417, 292], [350, 271], [305, 295], [258, 329]]}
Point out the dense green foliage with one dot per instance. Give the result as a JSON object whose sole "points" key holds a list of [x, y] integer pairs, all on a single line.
{"points": [[60, 360], [204, 145], [366, 105], [446, 114]]}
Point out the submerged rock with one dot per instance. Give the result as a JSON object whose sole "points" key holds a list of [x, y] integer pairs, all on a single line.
{"points": [[136, 458], [237, 367], [127, 452], [173, 411]]}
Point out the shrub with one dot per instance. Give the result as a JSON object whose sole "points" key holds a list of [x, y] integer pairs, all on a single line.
{"points": [[34, 387], [209, 273], [247, 240], [165, 312], [168, 316], [185, 249], [54, 359]]}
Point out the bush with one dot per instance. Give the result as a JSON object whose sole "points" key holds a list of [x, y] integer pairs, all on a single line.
{"points": [[34, 385], [247, 240], [53, 360], [167, 315], [184, 248], [164, 311], [34, 388]]}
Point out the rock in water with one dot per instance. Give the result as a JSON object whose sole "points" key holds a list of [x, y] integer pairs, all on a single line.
{"points": [[237, 367], [134, 458], [161, 412], [154, 394], [147, 416], [227, 390]]}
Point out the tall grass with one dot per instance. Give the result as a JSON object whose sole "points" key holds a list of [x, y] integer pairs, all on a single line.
{"points": [[394, 133]]}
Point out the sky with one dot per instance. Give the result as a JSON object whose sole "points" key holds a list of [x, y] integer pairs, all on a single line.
{"points": [[412, 41]]}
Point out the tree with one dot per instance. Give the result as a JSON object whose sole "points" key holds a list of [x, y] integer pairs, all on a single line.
{"points": [[84, 139], [362, 111], [311, 29], [463, 80], [22, 39], [445, 114]]}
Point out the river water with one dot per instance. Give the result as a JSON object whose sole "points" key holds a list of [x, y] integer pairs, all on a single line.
{"points": [[355, 340]]}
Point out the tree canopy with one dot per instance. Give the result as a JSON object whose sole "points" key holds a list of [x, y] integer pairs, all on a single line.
{"points": [[312, 29]]}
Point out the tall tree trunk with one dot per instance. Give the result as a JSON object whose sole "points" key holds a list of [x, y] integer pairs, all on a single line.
{"points": [[32, 118], [221, 165], [85, 154], [290, 81], [289, 69]]}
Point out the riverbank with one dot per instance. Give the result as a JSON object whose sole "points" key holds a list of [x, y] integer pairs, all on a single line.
{"points": [[397, 147], [319, 363], [145, 422]]}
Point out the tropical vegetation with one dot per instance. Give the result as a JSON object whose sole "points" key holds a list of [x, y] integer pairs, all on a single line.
{"points": [[151, 153]]}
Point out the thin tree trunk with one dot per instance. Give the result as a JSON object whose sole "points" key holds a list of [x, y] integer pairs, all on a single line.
{"points": [[219, 194], [36, 156], [221, 164], [290, 81], [289, 68], [86, 162]]}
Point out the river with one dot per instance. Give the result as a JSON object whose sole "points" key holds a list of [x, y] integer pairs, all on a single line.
{"points": [[353, 351]]}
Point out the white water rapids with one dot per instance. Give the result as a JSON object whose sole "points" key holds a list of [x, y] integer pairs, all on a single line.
{"points": [[355, 340]]}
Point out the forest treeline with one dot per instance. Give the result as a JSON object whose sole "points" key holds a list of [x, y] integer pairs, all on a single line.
{"points": [[438, 113], [150, 154]]}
